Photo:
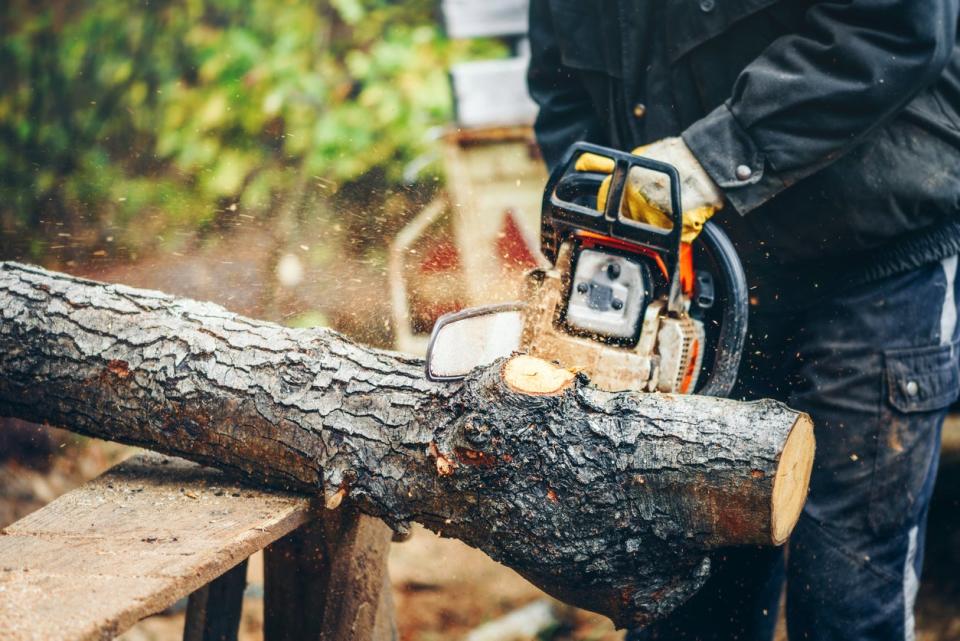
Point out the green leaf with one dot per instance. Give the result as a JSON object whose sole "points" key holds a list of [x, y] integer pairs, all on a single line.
{"points": [[228, 173], [351, 11]]}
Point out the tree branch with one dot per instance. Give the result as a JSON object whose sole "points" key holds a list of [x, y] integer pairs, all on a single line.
{"points": [[609, 501]]}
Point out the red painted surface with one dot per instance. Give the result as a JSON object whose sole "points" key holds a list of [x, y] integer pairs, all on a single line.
{"points": [[441, 256], [512, 246]]}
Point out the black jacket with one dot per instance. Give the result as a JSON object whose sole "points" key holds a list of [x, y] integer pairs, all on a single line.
{"points": [[847, 113]]}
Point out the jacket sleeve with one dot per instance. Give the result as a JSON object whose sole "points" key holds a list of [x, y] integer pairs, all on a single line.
{"points": [[566, 114], [813, 95]]}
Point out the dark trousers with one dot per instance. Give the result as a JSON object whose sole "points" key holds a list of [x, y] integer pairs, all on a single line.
{"points": [[876, 369]]}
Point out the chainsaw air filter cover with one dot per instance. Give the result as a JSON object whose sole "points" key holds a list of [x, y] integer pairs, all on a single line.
{"points": [[609, 293]]}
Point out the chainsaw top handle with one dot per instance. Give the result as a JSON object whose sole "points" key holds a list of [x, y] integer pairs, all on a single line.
{"points": [[569, 204]]}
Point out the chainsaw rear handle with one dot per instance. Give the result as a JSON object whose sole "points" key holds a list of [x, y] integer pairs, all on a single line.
{"points": [[733, 326]]}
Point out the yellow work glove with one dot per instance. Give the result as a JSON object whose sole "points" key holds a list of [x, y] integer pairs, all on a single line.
{"points": [[647, 194]]}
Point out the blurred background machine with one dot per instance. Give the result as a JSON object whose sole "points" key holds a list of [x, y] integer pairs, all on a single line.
{"points": [[473, 244]]}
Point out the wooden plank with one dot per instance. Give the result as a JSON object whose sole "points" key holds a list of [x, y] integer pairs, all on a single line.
{"points": [[130, 543], [329, 580], [213, 611]]}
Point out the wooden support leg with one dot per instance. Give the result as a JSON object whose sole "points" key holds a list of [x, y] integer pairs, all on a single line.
{"points": [[328, 581], [213, 611]]}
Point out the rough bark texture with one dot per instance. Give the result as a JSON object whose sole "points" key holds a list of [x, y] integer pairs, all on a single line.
{"points": [[611, 502]]}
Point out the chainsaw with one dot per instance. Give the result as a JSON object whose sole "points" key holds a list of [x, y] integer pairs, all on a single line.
{"points": [[626, 302]]}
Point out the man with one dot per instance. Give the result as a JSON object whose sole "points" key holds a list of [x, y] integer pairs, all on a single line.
{"points": [[826, 136]]}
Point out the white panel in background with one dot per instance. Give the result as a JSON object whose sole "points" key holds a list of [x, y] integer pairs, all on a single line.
{"points": [[485, 18], [492, 93]]}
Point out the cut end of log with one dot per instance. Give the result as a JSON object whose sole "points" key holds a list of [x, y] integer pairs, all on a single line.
{"points": [[792, 479], [532, 375]]}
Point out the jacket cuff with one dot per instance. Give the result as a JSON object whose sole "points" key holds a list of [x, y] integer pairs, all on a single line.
{"points": [[733, 160]]}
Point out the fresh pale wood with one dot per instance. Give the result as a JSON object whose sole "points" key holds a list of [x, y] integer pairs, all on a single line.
{"points": [[531, 375], [609, 501], [792, 479], [129, 544]]}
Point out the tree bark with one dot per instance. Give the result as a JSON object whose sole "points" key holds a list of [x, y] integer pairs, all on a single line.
{"points": [[609, 501]]}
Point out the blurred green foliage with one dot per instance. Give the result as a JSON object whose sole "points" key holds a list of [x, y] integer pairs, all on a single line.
{"points": [[128, 119]]}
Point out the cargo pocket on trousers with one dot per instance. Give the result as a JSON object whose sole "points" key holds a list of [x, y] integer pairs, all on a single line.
{"points": [[920, 384]]}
